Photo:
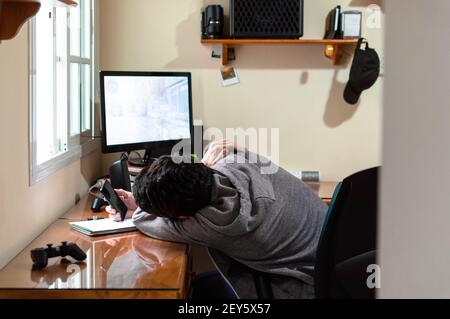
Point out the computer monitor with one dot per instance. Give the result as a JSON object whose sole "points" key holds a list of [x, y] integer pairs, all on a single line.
{"points": [[149, 111]]}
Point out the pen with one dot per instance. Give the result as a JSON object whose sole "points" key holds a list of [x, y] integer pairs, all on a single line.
{"points": [[96, 218]]}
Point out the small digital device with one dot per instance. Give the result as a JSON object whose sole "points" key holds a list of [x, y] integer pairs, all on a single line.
{"points": [[333, 24], [351, 24], [114, 200], [149, 111]]}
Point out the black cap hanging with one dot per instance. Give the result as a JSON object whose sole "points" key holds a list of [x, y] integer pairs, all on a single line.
{"points": [[363, 74]]}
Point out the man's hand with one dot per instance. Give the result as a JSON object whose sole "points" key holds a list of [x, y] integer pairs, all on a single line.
{"points": [[128, 200], [218, 151]]}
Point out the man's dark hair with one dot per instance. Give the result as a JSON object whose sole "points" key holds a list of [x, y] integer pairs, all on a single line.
{"points": [[172, 190]]}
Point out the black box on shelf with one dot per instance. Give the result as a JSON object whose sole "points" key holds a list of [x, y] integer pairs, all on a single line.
{"points": [[270, 19]]}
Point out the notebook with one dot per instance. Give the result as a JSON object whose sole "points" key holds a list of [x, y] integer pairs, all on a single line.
{"points": [[103, 227]]}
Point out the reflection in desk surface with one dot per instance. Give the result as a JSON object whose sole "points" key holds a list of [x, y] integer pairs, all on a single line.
{"points": [[129, 265]]}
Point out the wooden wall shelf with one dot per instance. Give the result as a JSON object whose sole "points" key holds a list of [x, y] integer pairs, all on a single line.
{"points": [[14, 13], [332, 47]]}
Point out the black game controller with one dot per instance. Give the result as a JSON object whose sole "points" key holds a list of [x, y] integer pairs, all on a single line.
{"points": [[40, 256]]}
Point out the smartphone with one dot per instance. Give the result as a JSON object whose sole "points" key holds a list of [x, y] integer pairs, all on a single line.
{"points": [[114, 200]]}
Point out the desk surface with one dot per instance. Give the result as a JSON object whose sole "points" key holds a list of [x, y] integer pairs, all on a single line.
{"points": [[128, 265], [325, 190]]}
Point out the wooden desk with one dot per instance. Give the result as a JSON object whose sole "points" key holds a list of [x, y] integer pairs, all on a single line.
{"points": [[128, 265], [325, 190]]}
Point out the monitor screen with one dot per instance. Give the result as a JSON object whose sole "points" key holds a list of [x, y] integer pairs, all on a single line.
{"points": [[142, 108]]}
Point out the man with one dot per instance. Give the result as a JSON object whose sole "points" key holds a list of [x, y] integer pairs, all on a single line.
{"points": [[270, 223]]}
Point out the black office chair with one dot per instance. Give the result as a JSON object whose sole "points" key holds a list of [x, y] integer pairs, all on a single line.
{"points": [[348, 242]]}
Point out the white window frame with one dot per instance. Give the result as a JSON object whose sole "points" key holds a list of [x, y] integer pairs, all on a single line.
{"points": [[78, 145]]}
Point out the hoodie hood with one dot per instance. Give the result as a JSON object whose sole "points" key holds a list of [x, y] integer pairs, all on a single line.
{"points": [[234, 190]]}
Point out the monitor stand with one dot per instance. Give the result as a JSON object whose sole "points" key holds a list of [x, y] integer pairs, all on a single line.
{"points": [[142, 162]]}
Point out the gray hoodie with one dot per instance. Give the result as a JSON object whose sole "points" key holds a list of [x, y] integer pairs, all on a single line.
{"points": [[267, 222]]}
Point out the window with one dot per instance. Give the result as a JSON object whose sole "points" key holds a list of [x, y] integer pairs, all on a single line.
{"points": [[61, 86]]}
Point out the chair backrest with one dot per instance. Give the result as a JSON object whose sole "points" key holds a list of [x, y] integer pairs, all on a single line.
{"points": [[348, 242], [331, 208]]}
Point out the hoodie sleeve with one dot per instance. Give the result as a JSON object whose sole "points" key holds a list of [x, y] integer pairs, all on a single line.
{"points": [[184, 231]]}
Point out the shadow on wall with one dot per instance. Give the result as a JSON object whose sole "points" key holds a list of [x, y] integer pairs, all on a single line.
{"points": [[304, 78], [91, 165], [337, 111]]}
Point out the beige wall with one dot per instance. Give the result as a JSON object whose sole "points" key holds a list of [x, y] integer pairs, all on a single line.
{"points": [[26, 211], [294, 88], [414, 218]]}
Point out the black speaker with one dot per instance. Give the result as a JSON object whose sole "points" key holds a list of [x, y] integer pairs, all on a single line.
{"points": [[268, 19], [120, 176], [212, 22]]}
